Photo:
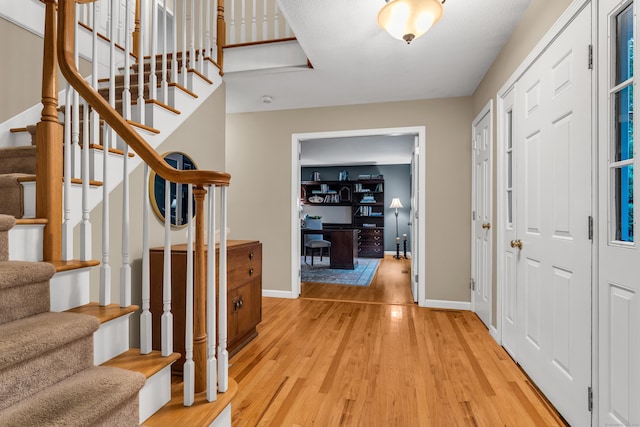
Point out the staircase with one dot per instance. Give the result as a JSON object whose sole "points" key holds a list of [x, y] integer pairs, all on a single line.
{"points": [[47, 374]]}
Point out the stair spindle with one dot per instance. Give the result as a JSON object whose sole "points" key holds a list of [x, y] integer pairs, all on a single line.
{"points": [[164, 82], [223, 355], [67, 229], [167, 316], [141, 40], [212, 369], [145, 317], [85, 227], [189, 368], [153, 79]]}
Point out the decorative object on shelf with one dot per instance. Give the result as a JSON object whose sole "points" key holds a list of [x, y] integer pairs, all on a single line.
{"points": [[395, 204], [343, 176], [409, 19], [178, 199], [345, 194], [316, 199], [315, 176]]}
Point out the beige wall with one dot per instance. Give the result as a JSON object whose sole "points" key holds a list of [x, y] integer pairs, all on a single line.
{"points": [[259, 160], [537, 20]]}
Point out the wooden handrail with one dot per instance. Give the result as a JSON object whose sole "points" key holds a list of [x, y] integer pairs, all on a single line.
{"points": [[66, 35]]}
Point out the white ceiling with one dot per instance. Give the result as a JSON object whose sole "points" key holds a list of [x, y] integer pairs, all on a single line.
{"points": [[356, 62], [357, 150]]}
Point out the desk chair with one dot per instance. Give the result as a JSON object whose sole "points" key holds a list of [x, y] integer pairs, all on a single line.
{"points": [[315, 241]]}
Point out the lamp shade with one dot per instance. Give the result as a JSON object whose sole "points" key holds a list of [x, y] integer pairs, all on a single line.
{"points": [[409, 19], [395, 203]]}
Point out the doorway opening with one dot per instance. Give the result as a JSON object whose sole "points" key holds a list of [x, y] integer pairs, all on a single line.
{"points": [[351, 151]]}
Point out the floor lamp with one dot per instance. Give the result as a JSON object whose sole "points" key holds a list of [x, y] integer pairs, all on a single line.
{"points": [[395, 204]]}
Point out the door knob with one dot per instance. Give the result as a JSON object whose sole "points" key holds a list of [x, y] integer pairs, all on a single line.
{"points": [[486, 226], [516, 244]]}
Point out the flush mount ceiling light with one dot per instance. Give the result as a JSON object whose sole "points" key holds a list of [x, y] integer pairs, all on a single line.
{"points": [[409, 19]]}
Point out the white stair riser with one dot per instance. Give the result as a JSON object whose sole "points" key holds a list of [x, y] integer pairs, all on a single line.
{"points": [[155, 393], [29, 199], [26, 242], [224, 419], [111, 340], [70, 289], [155, 115]]}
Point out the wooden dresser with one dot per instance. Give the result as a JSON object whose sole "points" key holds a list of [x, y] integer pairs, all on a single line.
{"points": [[371, 243], [244, 297]]}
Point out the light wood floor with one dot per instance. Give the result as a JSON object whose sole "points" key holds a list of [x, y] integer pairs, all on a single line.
{"points": [[324, 362]]}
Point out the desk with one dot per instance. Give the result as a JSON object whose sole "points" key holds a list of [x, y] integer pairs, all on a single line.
{"points": [[344, 246]]}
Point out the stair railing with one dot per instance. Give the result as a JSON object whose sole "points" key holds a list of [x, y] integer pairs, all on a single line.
{"points": [[253, 21], [206, 369]]}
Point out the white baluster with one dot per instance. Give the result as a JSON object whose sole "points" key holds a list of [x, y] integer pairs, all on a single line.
{"points": [[265, 21], [223, 355], [276, 22], [214, 31], [75, 128], [167, 316], [85, 226], [125, 269], [212, 369], [145, 317], [189, 366], [200, 39], [243, 29], [126, 92], [174, 55], [232, 21], [192, 39], [207, 29], [141, 39], [165, 34], [185, 24], [67, 228], [254, 23], [153, 79]]}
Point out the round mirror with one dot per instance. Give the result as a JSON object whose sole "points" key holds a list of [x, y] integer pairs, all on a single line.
{"points": [[178, 194]]}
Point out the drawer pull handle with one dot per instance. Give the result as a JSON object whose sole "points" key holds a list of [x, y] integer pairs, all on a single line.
{"points": [[251, 272], [251, 255]]}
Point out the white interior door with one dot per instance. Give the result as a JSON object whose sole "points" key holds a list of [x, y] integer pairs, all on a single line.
{"points": [[619, 256], [415, 229], [553, 186], [509, 255], [481, 256]]}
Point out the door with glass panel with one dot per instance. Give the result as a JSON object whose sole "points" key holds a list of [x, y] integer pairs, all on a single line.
{"points": [[619, 266]]}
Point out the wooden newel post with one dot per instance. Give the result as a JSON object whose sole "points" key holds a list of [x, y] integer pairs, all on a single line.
{"points": [[49, 140], [221, 36], [200, 295]]}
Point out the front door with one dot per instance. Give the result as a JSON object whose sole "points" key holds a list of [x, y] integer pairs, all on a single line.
{"points": [[481, 217], [553, 209]]}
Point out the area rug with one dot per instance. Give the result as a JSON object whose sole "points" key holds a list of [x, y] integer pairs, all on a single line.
{"points": [[321, 273]]}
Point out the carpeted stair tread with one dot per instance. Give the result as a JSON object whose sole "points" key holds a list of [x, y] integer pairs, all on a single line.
{"points": [[12, 193], [20, 159], [7, 222], [84, 399], [19, 273], [24, 339]]}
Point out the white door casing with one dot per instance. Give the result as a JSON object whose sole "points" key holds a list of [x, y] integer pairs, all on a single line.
{"points": [[619, 256], [553, 188], [415, 225], [481, 205]]}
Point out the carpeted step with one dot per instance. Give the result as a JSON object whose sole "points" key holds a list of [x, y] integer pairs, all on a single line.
{"points": [[41, 350], [24, 289], [98, 396], [12, 194], [20, 159], [6, 223]]}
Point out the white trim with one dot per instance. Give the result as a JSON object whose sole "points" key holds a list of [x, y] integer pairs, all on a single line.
{"points": [[495, 334], [296, 138], [270, 293], [564, 20], [449, 305]]}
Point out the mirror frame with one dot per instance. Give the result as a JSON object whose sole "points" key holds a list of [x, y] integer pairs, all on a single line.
{"points": [[180, 161]]}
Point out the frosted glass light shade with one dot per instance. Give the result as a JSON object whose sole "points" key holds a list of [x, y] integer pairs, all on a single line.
{"points": [[395, 203], [409, 19]]}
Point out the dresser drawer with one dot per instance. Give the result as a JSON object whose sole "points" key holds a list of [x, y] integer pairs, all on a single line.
{"points": [[244, 264]]}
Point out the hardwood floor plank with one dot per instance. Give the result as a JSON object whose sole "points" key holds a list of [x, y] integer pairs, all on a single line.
{"points": [[321, 361]]}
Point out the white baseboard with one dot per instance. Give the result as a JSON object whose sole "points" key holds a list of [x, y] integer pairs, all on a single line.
{"points": [[278, 294], [450, 305], [494, 333]]}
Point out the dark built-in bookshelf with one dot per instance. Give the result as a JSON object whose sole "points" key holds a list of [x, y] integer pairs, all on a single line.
{"points": [[366, 199]]}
